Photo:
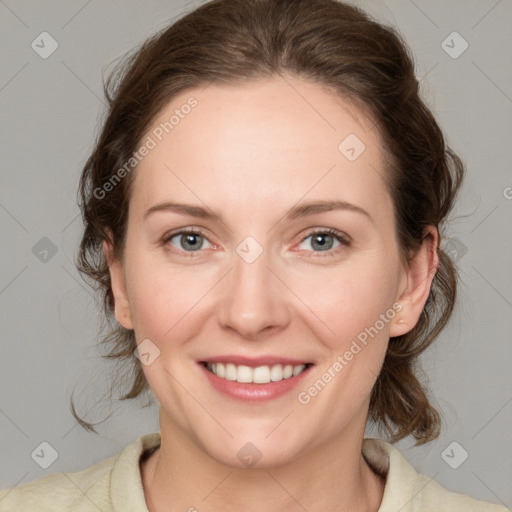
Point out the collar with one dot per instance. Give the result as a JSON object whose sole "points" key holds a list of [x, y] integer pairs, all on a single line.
{"points": [[128, 495]]}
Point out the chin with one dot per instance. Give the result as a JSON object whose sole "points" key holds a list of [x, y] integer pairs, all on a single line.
{"points": [[254, 448], [249, 455]]}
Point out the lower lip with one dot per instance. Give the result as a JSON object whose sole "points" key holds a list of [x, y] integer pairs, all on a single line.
{"points": [[250, 392]]}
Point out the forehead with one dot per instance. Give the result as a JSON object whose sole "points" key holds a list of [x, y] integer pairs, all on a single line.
{"points": [[272, 141]]}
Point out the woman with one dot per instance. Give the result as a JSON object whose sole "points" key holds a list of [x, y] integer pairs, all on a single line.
{"points": [[263, 214]]}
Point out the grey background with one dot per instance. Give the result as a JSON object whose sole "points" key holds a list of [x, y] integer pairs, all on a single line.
{"points": [[51, 110]]}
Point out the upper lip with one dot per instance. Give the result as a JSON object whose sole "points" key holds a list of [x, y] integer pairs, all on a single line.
{"points": [[254, 362]]}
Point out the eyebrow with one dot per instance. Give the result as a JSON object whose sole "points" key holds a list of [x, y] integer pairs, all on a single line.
{"points": [[298, 211]]}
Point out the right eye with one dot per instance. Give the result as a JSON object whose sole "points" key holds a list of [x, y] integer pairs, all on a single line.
{"points": [[186, 239]]}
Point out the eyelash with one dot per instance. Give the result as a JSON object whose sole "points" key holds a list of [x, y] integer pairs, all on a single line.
{"points": [[338, 235]]}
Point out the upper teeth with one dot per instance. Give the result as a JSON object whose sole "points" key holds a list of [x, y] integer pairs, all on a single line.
{"points": [[258, 375]]}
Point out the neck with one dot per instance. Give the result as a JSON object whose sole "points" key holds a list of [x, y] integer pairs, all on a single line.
{"points": [[334, 476]]}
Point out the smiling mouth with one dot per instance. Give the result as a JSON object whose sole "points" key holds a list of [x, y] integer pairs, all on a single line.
{"points": [[259, 375]]}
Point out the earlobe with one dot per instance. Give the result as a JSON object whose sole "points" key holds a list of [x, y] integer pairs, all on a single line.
{"points": [[419, 275], [118, 282]]}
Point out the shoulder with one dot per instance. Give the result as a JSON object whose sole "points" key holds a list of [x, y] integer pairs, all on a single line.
{"points": [[81, 491], [408, 491], [432, 497], [112, 484]]}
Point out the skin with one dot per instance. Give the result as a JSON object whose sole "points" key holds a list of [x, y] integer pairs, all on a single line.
{"points": [[273, 142]]}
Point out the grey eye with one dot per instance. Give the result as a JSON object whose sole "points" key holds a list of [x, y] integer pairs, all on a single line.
{"points": [[321, 241], [188, 241]]}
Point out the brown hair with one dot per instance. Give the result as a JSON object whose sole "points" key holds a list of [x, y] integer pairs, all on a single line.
{"points": [[330, 43]]}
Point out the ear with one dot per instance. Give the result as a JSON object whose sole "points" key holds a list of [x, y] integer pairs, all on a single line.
{"points": [[118, 282], [419, 274]]}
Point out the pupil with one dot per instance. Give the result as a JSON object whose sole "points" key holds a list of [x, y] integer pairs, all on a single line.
{"points": [[318, 239], [190, 240]]}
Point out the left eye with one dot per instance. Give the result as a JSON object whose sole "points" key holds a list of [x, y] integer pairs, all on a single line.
{"points": [[324, 240]]}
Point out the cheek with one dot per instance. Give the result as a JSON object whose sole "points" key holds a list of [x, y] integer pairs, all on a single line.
{"points": [[357, 307], [165, 301], [352, 300]]}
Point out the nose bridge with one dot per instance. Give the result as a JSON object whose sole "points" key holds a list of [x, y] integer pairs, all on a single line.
{"points": [[253, 299]]}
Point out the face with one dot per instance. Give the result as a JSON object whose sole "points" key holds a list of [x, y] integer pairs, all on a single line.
{"points": [[292, 260]]}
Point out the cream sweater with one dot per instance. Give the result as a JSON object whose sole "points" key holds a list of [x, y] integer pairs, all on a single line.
{"points": [[114, 485]]}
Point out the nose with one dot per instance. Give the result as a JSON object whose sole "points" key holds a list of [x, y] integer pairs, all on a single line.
{"points": [[254, 300]]}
